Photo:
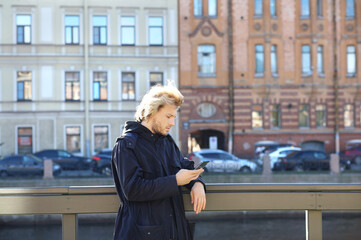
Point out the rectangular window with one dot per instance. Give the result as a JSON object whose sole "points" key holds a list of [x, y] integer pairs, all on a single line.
{"points": [[128, 86], [212, 8], [71, 29], [305, 8], [197, 8], [348, 116], [155, 31], [206, 61], [275, 116], [258, 7], [274, 66], [72, 86], [259, 52], [73, 139], [320, 115], [25, 140], [100, 86], [156, 78], [128, 30], [101, 138], [24, 86], [257, 116], [320, 68], [319, 8], [306, 60], [351, 61], [23, 29], [99, 30], [273, 10], [350, 8], [303, 116]]}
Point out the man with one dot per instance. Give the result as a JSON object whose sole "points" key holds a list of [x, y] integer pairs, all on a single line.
{"points": [[149, 171]]}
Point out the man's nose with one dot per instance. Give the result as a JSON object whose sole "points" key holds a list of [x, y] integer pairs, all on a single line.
{"points": [[172, 122]]}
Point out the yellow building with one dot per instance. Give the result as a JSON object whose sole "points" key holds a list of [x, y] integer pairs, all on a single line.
{"points": [[73, 71]]}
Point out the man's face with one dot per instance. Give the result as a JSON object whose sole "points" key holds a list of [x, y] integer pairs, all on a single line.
{"points": [[163, 120]]}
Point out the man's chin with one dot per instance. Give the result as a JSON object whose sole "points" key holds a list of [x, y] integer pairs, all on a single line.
{"points": [[165, 133]]}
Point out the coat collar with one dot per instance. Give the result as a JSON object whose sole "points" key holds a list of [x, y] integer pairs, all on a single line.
{"points": [[137, 127]]}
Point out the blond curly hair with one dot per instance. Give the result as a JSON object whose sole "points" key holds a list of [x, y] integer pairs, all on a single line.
{"points": [[157, 97]]}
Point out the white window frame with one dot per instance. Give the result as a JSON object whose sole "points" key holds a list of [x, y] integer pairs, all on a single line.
{"points": [[156, 71], [353, 115], [165, 25], [325, 116], [81, 138], [308, 116], [32, 26], [107, 15], [92, 136], [92, 82], [81, 79], [33, 85], [136, 84], [135, 28], [354, 54], [81, 24], [32, 138]]}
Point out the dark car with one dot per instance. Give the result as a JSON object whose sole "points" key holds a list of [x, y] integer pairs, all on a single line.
{"points": [[65, 159], [304, 160], [353, 155], [101, 162], [24, 165]]}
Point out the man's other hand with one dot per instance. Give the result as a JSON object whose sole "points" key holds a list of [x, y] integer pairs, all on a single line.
{"points": [[198, 197]]}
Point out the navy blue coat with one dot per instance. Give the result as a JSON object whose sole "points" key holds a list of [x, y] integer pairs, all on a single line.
{"points": [[144, 167]]}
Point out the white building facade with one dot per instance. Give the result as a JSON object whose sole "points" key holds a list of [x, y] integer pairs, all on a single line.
{"points": [[72, 72]]}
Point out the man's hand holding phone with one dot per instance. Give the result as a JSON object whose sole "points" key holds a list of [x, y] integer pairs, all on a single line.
{"points": [[184, 176], [202, 164]]}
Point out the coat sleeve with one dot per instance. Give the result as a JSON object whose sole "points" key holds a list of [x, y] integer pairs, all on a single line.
{"points": [[133, 185]]}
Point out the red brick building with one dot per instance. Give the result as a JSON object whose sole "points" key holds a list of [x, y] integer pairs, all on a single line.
{"points": [[282, 71]]}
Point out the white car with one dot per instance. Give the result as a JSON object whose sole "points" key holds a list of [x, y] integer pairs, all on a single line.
{"points": [[221, 161], [281, 152]]}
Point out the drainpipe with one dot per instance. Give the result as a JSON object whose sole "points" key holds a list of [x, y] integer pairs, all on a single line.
{"points": [[86, 79], [335, 78], [230, 77]]}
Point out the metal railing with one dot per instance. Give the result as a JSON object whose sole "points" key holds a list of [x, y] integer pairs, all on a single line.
{"points": [[73, 200]]}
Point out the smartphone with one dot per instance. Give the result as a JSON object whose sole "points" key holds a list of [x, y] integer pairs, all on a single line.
{"points": [[202, 165]]}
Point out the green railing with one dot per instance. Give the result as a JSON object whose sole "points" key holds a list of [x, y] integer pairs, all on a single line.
{"points": [[71, 201]]}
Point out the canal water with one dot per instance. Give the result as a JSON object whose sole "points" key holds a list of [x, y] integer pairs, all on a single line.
{"points": [[208, 225]]}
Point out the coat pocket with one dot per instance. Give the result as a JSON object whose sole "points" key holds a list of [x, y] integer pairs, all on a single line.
{"points": [[155, 232]]}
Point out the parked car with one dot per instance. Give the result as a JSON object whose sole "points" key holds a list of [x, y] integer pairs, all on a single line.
{"points": [[281, 152], [101, 162], [221, 161], [262, 150], [24, 165], [65, 159], [304, 160], [353, 155]]}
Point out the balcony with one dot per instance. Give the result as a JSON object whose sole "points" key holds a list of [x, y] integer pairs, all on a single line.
{"points": [[70, 201]]}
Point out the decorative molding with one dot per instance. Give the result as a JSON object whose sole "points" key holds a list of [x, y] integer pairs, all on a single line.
{"points": [[206, 20]]}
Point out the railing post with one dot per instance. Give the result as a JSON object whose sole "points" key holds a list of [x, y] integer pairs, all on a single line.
{"points": [[313, 225], [70, 226]]}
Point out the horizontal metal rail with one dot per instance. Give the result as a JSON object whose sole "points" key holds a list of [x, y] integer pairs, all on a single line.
{"points": [[73, 200]]}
